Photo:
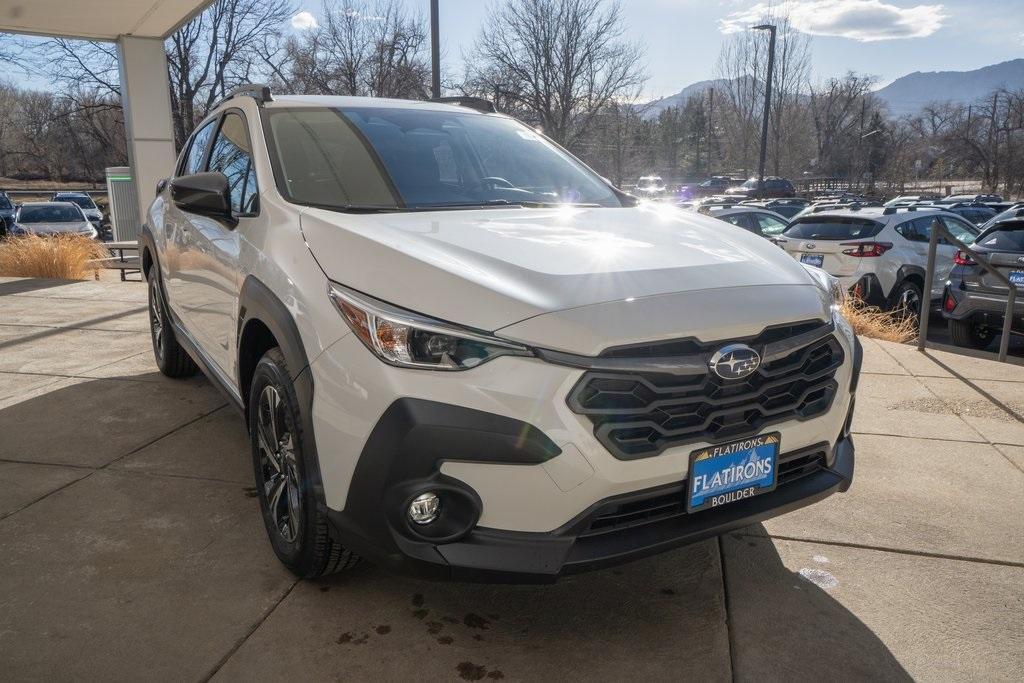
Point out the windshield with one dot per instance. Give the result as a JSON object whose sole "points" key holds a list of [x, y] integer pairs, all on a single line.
{"points": [[750, 184], [81, 200], [832, 228], [50, 213], [392, 158]]}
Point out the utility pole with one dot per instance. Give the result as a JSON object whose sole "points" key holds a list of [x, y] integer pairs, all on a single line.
{"points": [[767, 103], [711, 125], [435, 51]]}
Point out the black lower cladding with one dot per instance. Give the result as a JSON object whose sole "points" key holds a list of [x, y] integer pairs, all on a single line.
{"points": [[640, 414], [412, 438]]}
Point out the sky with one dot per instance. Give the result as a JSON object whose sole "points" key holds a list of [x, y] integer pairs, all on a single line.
{"points": [[682, 38]]}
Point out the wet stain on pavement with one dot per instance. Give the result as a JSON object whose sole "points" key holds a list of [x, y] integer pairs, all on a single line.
{"points": [[445, 640], [476, 621], [383, 629]]}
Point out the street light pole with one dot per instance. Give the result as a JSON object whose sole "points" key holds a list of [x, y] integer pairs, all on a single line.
{"points": [[767, 103], [435, 51]]}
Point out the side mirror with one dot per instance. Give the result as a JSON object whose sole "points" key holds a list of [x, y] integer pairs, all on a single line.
{"points": [[206, 194]]}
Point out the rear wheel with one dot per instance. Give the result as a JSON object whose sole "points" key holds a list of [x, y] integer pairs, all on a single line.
{"points": [[296, 524], [172, 360], [906, 299], [969, 335]]}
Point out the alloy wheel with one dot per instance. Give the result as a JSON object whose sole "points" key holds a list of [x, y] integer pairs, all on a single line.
{"points": [[909, 302], [156, 313], [277, 464]]}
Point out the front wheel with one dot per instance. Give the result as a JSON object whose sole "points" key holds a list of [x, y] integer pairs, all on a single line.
{"points": [[297, 527], [171, 359], [969, 335]]}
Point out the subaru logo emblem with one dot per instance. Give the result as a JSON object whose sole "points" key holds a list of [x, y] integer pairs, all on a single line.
{"points": [[734, 361], [809, 245], [1020, 259]]}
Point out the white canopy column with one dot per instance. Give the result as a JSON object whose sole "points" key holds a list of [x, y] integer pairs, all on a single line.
{"points": [[146, 98]]}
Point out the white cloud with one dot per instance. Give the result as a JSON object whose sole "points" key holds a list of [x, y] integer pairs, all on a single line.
{"points": [[303, 21], [863, 20]]}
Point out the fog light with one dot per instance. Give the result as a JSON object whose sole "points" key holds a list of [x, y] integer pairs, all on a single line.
{"points": [[424, 508]]}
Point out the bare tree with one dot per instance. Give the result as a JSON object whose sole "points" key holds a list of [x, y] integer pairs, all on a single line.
{"points": [[559, 61], [376, 49], [216, 51]]}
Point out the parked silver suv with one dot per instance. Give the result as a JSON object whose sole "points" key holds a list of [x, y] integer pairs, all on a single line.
{"points": [[878, 253], [974, 303]]}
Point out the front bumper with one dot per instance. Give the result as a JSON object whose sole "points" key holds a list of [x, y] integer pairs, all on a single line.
{"points": [[415, 439], [612, 531], [528, 476]]}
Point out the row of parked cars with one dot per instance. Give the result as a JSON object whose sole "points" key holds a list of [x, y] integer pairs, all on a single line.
{"points": [[654, 187], [879, 252], [65, 213]]}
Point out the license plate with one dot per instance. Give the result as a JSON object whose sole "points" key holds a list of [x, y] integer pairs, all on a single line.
{"points": [[733, 471], [1017, 277], [812, 259]]}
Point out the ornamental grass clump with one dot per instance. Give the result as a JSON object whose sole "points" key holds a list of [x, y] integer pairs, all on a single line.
{"points": [[63, 257]]}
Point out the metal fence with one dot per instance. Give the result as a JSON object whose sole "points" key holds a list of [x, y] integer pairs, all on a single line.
{"points": [[939, 230]]}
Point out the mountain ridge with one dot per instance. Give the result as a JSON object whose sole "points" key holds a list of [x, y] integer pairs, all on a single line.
{"points": [[907, 94]]}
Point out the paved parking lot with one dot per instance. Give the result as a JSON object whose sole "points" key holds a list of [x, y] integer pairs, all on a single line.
{"points": [[131, 546]]}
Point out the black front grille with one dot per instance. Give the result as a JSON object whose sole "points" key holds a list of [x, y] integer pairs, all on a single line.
{"points": [[671, 502], [639, 414]]}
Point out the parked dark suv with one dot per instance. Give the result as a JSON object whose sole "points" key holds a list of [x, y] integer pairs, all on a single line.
{"points": [[772, 187], [974, 303], [6, 214]]}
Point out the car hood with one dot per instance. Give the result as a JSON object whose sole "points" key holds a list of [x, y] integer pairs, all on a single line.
{"points": [[491, 268], [54, 228]]}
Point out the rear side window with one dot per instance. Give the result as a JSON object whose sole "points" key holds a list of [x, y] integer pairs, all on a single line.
{"points": [[833, 228], [770, 225], [741, 220], [1008, 237], [5, 203], [197, 150], [960, 230]]}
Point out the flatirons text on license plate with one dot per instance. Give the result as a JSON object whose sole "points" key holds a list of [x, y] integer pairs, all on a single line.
{"points": [[1017, 277], [812, 259], [732, 471]]}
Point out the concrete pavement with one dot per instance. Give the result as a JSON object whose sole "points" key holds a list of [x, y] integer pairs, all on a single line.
{"points": [[132, 547]]}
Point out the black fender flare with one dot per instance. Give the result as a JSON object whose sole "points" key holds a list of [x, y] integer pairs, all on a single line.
{"points": [[907, 271], [147, 243], [257, 302]]}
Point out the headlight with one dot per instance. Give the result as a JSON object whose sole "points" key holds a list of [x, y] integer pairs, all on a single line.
{"points": [[410, 340], [830, 284]]}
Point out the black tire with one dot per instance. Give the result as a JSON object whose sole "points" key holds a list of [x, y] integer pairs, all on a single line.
{"points": [[296, 524], [968, 335], [906, 300], [172, 360]]}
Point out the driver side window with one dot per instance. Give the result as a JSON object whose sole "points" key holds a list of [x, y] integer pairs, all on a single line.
{"points": [[193, 160], [232, 155]]}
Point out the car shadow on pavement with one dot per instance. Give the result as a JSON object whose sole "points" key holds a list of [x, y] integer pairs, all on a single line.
{"points": [[787, 625], [659, 617]]}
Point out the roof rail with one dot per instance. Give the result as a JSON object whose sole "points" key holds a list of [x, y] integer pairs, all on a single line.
{"points": [[257, 91], [477, 103]]}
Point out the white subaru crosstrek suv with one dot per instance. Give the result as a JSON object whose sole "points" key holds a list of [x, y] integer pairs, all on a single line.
{"points": [[462, 354], [878, 253]]}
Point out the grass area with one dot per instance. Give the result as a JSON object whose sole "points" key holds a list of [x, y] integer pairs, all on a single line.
{"points": [[64, 257], [873, 322]]}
